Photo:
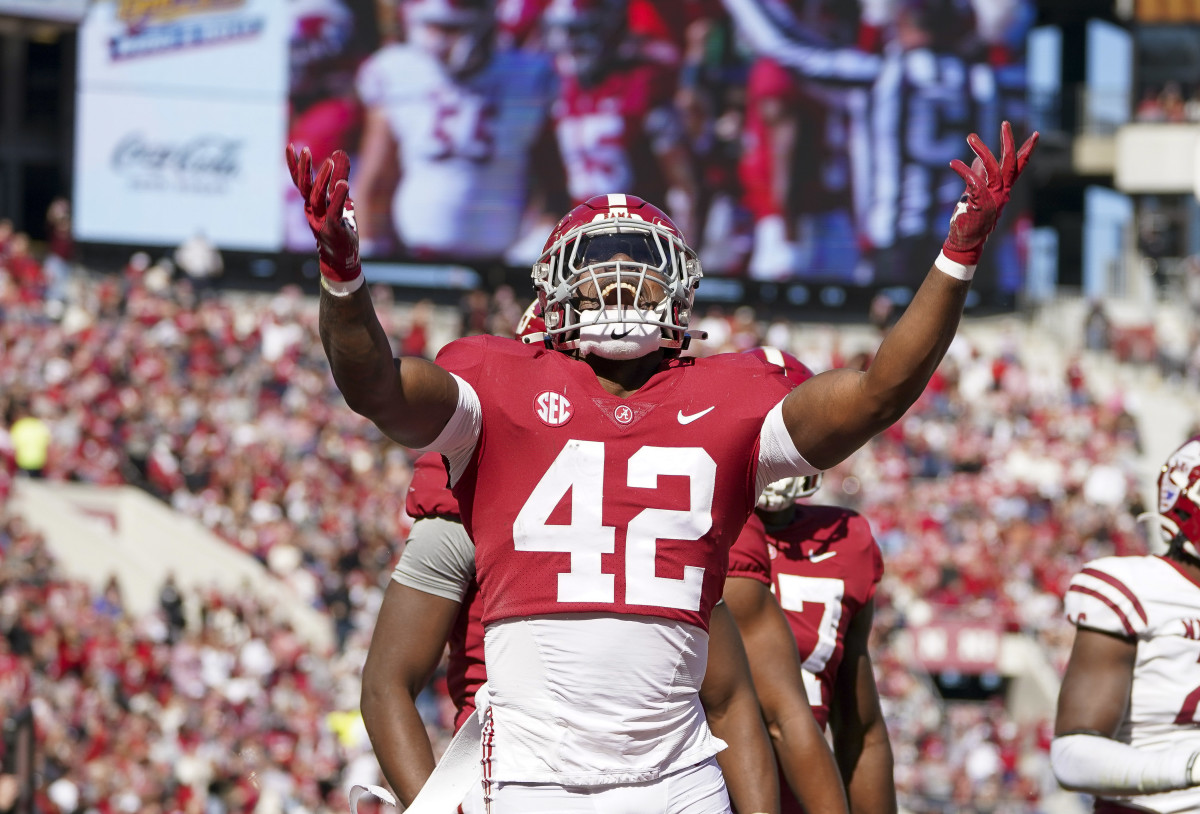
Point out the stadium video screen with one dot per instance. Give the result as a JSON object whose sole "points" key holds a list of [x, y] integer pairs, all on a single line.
{"points": [[801, 141]]}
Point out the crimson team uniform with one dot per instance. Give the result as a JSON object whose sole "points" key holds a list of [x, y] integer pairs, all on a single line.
{"points": [[823, 568], [602, 527], [1150, 600]]}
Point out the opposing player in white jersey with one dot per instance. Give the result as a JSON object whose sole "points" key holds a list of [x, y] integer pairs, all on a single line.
{"points": [[603, 478], [1127, 729], [445, 165]]}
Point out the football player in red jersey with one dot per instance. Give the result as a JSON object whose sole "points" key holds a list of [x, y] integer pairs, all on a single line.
{"points": [[434, 582], [1126, 729], [603, 478], [822, 564]]}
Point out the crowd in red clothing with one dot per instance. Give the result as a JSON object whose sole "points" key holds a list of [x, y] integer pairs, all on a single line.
{"points": [[994, 489]]}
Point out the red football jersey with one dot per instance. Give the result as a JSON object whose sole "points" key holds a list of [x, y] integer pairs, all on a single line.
{"points": [[579, 501], [602, 131], [430, 496], [823, 569]]}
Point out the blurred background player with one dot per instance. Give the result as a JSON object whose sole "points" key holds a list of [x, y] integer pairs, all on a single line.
{"points": [[617, 124], [933, 89], [890, 120], [325, 48], [821, 564], [452, 122], [795, 163], [1127, 729]]}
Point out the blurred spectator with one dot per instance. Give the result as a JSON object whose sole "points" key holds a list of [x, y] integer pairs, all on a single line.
{"points": [[30, 438], [200, 259], [1171, 101], [24, 269], [1150, 109], [170, 600], [1191, 108], [1097, 327], [59, 241], [60, 250]]}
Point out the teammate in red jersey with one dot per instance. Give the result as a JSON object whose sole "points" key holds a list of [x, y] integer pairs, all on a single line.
{"points": [[1126, 729], [603, 478], [822, 564]]}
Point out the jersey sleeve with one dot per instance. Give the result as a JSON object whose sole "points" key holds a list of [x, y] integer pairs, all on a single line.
{"points": [[778, 457], [861, 529], [371, 81], [748, 557], [1102, 597], [439, 559], [463, 359], [429, 493]]}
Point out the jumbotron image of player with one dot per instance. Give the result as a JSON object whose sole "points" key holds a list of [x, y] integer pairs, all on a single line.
{"points": [[821, 564], [1127, 730], [452, 124], [603, 478]]}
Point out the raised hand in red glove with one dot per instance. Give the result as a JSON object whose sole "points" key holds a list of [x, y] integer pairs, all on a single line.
{"points": [[989, 186], [330, 214]]}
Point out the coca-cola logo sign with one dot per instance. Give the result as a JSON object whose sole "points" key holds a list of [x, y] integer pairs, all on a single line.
{"points": [[205, 163]]}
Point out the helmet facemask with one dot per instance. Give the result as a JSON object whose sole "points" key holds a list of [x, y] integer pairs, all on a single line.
{"points": [[618, 286], [784, 493]]}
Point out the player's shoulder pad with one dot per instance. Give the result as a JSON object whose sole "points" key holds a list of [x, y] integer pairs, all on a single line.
{"points": [[1110, 594]]}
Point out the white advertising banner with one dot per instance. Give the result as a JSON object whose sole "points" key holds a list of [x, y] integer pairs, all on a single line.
{"points": [[68, 11], [157, 169], [234, 48], [181, 121]]}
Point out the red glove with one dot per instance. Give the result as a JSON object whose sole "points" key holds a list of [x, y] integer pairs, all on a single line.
{"points": [[989, 185], [330, 214]]}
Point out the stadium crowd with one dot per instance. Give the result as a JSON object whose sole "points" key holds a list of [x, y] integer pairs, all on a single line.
{"points": [[998, 485]]}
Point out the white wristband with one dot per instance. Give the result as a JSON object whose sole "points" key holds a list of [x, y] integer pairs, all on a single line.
{"points": [[956, 270], [343, 289]]}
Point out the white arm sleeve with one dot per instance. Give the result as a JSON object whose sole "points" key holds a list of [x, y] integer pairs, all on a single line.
{"points": [[766, 25], [778, 457], [460, 435], [1099, 765], [439, 559]]}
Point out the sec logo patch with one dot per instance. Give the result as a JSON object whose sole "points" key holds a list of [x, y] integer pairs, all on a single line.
{"points": [[554, 409]]}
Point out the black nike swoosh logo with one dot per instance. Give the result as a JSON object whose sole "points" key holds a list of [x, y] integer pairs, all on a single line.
{"points": [[622, 335]]}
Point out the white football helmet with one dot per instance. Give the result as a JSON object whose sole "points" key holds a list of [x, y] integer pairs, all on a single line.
{"points": [[459, 34], [1177, 520], [647, 296]]}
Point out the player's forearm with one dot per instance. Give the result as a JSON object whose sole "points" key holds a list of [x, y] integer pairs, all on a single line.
{"points": [[398, 737], [748, 764], [358, 351], [913, 349], [868, 775], [808, 763]]}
